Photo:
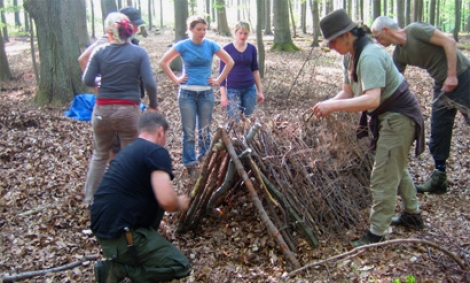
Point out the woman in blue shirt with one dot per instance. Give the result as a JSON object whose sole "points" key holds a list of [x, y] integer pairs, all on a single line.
{"points": [[196, 97]]}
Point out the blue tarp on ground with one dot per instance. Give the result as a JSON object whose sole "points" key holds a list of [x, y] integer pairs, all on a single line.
{"points": [[82, 107]]}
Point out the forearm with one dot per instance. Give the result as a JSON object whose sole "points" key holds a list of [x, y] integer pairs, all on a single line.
{"points": [[451, 56], [257, 78]]}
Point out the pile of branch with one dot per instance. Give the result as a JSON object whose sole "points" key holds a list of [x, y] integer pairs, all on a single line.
{"points": [[311, 176]]}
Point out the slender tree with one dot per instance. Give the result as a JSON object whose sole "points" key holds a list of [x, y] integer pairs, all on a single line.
{"points": [[376, 11], [458, 9], [417, 10], [291, 13], [82, 32], [92, 8], [60, 75], [303, 16], [207, 12], [17, 13], [432, 12], [150, 4], [5, 73], [161, 14]]}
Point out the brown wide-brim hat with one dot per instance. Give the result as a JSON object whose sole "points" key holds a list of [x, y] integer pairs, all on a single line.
{"points": [[335, 24]]}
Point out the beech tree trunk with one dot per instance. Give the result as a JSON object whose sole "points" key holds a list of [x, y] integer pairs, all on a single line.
{"points": [[60, 75], [5, 73]]}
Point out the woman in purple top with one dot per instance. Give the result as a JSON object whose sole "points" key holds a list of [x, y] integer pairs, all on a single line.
{"points": [[238, 91]]}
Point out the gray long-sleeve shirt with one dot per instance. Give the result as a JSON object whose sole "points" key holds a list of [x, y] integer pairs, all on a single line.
{"points": [[120, 67]]}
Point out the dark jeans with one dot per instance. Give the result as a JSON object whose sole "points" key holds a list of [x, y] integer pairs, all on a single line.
{"points": [[444, 109]]}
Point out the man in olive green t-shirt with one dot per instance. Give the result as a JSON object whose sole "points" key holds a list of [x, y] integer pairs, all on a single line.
{"points": [[422, 45]]}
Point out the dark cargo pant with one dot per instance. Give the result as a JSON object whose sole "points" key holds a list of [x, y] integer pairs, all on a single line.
{"points": [[444, 109], [159, 259]]}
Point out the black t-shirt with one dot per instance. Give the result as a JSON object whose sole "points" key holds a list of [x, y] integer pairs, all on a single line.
{"points": [[125, 196]]}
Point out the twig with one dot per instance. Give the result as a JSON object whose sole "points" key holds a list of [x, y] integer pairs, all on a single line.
{"points": [[385, 243], [29, 274]]}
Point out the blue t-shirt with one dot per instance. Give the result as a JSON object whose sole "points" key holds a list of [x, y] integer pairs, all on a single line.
{"points": [[197, 60]]}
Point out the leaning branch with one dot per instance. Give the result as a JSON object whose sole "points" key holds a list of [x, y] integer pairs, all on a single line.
{"points": [[385, 243]]}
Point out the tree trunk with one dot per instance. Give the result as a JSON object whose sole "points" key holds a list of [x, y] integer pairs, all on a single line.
{"points": [[60, 75], [282, 35], [458, 9], [208, 13], [26, 21], [294, 29], [303, 16], [355, 10], [432, 12], [417, 10], [17, 13], [260, 10], [92, 8], [107, 6], [407, 12], [267, 27], [129, 3], [181, 15], [119, 4], [150, 4], [5, 73], [4, 22], [376, 11], [222, 24], [400, 12], [80, 17], [315, 21]]}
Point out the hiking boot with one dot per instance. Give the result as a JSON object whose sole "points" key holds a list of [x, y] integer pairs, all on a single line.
{"points": [[107, 271], [413, 221], [436, 185], [368, 238]]}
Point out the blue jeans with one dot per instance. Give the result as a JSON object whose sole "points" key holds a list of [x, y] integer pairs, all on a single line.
{"points": [[195, 107], [242, 100]]}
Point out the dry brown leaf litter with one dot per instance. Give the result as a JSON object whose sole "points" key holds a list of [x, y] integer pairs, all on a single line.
{"points": [[44, 158]]}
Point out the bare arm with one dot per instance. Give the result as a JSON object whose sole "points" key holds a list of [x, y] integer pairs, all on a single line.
{"points": [[164, 63], [83, 58], [227, 59], [370, 100], [440, 39], [165, 194], [259, 86]]}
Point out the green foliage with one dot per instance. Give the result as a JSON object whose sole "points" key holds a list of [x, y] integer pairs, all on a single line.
{"points": [[409, 279]]}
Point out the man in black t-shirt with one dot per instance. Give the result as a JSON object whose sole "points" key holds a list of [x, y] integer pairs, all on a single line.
{"points": [[128, 208]]}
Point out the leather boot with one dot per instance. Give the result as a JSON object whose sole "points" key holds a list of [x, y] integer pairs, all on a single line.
{"points": [[413, 221], [436, 185], [368, 238]]}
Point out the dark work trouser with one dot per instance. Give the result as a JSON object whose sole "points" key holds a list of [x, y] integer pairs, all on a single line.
{"points": [[159, 259], [444, 109]]}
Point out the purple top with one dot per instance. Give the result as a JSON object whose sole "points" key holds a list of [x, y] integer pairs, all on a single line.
{"points": [[241, 75]]}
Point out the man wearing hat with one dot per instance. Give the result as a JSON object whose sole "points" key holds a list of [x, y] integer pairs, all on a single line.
{"points": [[372, 84]]}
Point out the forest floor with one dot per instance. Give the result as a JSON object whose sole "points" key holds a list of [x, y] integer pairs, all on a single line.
{"points": [[44, 158]]}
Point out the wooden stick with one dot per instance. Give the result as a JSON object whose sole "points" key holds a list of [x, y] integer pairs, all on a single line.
{"points": [[256, 201], [29, 274], [385, 243]]}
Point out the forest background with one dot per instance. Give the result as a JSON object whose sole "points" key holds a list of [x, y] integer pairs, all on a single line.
{"points": [[44, 155]]}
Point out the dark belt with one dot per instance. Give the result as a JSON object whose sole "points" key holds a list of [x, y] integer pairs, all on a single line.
{"points": [[130, 245]]}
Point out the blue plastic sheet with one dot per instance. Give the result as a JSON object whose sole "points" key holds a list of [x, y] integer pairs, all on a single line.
{"points": [[82, 107]]}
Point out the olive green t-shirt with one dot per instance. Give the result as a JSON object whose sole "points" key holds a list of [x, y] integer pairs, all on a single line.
{"points": [[418, 51], [375, 70]]}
